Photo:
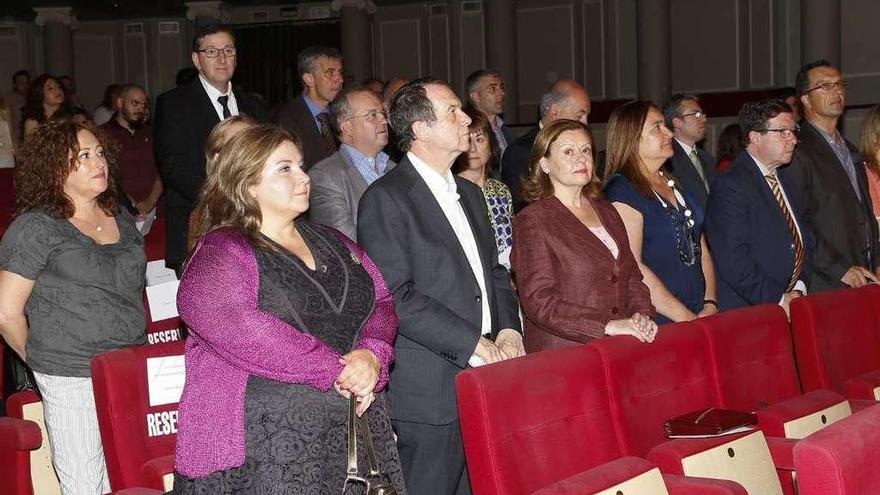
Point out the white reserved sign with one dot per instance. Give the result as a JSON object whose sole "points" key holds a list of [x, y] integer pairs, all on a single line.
{"points": [[162, 299], [165, 378], [158, 273]]}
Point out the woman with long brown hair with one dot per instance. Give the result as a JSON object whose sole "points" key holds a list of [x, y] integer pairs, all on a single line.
{"points": [[575, 274], [287, 319], [869, 145], [72, 269], [663, 222], [46, 100]]}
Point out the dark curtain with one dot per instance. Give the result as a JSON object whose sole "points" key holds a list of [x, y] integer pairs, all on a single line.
{"points": [[267, 56]]}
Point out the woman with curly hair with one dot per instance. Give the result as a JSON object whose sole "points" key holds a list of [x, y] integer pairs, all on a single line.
{"points": [[46, 99], [71, 286]]}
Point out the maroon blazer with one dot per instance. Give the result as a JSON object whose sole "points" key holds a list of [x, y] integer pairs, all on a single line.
{"points": [[569, 284]]}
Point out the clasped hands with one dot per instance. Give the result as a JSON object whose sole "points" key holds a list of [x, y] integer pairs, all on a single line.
{"points": [[639, 326], [359, 376], [507, 345]]}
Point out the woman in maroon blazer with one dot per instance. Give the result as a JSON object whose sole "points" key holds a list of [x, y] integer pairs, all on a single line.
{"points": [[576, 276]]}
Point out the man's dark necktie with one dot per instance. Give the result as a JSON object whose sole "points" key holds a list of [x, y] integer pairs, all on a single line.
{"points": [[224, 100], [327, 133]]}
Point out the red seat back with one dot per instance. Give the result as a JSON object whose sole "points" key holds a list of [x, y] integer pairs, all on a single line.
{"points": [[651, 383], [530, 422], [132, 431], [836, 336], [752, 356]]}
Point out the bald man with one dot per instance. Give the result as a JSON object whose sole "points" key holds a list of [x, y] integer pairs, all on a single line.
{"points": [[566, 99]]}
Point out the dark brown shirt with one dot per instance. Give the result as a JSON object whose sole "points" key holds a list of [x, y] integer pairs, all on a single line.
{"points": [[136, 165]]}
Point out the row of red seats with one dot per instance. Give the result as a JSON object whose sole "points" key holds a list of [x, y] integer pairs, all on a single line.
{"points": [[590, 418]]}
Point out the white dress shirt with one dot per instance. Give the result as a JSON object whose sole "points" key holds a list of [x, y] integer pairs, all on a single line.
{"points": [[445, 192], [213, 94], [799, 285]]}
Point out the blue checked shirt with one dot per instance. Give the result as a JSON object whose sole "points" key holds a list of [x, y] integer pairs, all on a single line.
{"points": [[370, 168]]}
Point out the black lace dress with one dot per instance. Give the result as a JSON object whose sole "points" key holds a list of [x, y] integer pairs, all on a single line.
{"points": [[296, 435]]}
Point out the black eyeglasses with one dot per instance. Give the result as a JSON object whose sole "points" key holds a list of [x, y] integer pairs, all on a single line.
{"points": [[785, 133], [372, 115], [698, 115], [829, 86], [212, 52]]}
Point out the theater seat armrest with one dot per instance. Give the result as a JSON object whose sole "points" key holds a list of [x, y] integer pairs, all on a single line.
{"points": [[860, 404], [772, 419], [154, 470], [688, 485], [599, 478], [19, 434], [668, 455], [862, 386], [782, 452]]}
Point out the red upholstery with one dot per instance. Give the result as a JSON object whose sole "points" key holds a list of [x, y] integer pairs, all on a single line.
{"points": [[841, 459], [18, 437], [836, 337], [122, 401], [862, 386], [534, 421]]}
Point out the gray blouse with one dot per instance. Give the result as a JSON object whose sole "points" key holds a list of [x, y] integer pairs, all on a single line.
{"points": [[87, 297]]}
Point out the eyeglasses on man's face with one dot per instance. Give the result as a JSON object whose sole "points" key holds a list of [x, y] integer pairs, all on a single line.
{"points": [[829, 86], [785, 133], [212, 52], [371, 116], [697, 115]]}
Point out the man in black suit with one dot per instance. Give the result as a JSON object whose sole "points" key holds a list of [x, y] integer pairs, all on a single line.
{"points": [[566, 99], [320, 69], [762, 251], [485, 93], [693, 167], [428, 231], [831, 177], [184, 118]]}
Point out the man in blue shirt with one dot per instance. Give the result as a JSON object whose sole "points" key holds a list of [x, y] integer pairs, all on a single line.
{"points": [[359, 120]]}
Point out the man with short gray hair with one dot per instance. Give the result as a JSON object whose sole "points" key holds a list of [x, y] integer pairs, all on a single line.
{"points": [[566, 99], [485, 92], [359, 120]]}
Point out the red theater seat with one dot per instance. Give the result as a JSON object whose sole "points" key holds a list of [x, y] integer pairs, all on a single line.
{"points": [[138, 439], [841, 459], [837, 341], [543, 422], [25, 456]]}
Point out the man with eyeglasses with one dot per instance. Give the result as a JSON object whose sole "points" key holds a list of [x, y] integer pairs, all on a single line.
{"points": [[761, 248], [320, 70], [830, 176], [359, 120], [184, 118], [692, 167]]}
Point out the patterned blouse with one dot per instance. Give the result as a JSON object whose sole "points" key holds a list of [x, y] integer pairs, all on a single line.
{"points": [[499, 203]]}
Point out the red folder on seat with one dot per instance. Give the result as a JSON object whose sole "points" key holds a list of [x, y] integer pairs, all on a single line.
{"points": [[710, 422]]}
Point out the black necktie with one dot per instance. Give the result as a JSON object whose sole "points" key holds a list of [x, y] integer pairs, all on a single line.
{"points": [[223, 102]]}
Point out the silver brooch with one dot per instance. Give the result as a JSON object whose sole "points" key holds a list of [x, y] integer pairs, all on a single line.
{"points": [[354, 258]]}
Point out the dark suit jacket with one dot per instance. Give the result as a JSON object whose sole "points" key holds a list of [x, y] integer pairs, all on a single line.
{"points": [[683, 170], [515, 165], [569, 284], [750, 240], [843, 226], [337, 187], [184, 118], [437, 298], [296, 118]]}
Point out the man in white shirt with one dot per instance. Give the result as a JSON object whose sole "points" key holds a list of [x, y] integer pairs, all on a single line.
{"points": [[428, 231], [753, 222], [693, 167], [184, 118]]}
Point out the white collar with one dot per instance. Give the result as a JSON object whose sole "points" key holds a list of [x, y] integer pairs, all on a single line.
{"points": [[764, 170], [213, 93], [438, 184], [687, 148]]}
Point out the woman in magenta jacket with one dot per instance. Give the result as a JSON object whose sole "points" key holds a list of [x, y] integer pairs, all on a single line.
{"points": [[287, 319], [574, 271]]}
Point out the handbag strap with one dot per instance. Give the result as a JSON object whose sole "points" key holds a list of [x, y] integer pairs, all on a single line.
{"points": [[352, 437], [368, 443]]}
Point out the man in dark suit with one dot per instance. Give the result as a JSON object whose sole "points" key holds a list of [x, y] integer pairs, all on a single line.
{"points": [[428, 231], [831, 177], [320, 69], [184, 118], [693, 167], [485, 93], [566, 99], [762, 250], [339, 181]]}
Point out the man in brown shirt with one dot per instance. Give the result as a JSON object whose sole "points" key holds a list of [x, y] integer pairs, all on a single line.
{"points": [[136, 165]]}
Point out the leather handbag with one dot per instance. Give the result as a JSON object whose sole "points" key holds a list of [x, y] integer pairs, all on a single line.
{"points": [[377, 483]]}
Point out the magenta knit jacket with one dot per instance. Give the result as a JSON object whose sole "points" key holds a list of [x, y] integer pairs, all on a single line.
{"points": [[231, 339]]}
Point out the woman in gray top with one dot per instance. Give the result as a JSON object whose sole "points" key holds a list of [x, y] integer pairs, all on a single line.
{"points": [[71, 286]]}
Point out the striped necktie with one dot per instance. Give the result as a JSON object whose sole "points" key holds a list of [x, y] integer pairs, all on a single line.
{"points": [[798, 243], [327, 137], [698, 164]]}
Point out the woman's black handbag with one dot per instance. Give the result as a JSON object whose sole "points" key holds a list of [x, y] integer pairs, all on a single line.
{"points": [[377, 483], [18, 375]]}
